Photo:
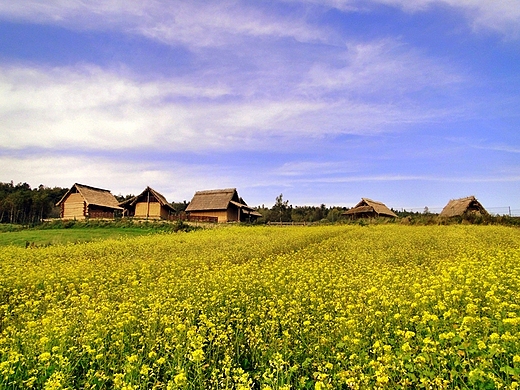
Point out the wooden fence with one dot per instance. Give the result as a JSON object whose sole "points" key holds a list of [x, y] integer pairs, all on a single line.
{"points": [[289, 223], [193, 218]]}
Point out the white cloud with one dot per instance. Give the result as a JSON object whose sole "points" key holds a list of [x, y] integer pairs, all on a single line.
{"points": [[502, 16], [67, 11], [196, 23], [413, 178], [382, 68], [221, 23], [91, 109], [203, 23], [176, 181], [312, 168], [499, 15]]}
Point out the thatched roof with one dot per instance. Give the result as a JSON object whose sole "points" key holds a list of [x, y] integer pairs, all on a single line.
{"points": [[371, 206], [160, 198], [219, 200], [212, 199], [245, 208], [93, 196], [459, 207]]}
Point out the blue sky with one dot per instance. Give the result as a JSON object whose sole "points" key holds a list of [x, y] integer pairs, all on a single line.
{"points": [[410, 102]]}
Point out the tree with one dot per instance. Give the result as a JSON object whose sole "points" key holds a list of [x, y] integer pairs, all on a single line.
{"points": [[281, 211], [21, 204]]}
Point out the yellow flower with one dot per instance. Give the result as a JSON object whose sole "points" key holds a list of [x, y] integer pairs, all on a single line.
{"points": [[409, 334], [161, 360], [406, 347], [144, 369], [197, 355], [132, 358], [180, 378], [44, 357]]}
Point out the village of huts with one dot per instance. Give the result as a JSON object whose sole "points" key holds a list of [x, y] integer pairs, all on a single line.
{"points": [[219, 205]]}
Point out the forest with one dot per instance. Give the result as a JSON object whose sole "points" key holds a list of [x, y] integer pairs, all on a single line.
{"points": [[19, 203]]}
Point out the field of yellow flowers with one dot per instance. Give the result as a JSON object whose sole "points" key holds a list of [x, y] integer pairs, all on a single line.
{"points": [[324, 307]]}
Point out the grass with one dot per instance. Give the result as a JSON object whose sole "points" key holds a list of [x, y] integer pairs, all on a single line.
{"points": [[64, 236], [61, 233]]}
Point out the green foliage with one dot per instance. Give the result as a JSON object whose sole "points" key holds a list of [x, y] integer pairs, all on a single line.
{"points": [[283, 211], [63, 232], [22, 205]]}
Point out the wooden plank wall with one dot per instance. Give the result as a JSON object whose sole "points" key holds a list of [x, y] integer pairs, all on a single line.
{"points": [[142, 207], [232, 213], [74, 207], [221, 215], [100, 213], [164, 213]]}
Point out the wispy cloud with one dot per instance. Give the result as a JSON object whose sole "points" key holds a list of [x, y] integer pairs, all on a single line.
{"points": [[484, 144], [90, 108], [416, 178], [502, 16], [196, 23], [203, 23], [177, 181], [385, 68], [312, 168]]}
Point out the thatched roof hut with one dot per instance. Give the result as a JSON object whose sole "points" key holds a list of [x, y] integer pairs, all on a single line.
{"points": [[83, 201], [224, 204], [463, 206], [368, 208], [148, 204]]}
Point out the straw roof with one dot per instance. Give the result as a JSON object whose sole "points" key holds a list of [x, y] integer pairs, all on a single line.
{"points": [[93, 196], [459, 207], [160, 198], [219, 200], [212, 199], [246, 209], [371, 206]]}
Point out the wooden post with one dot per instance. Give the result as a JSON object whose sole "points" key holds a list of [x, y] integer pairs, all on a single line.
{"points": [[148, 205]]}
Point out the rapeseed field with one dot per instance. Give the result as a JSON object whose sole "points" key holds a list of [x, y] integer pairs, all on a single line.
{"points": [[325, 307]]}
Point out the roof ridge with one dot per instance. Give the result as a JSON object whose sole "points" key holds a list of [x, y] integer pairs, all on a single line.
{"points": [[216, 191], [90, 187]]}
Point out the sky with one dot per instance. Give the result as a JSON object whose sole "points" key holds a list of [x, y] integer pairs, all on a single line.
{"points": [[408, 102]]}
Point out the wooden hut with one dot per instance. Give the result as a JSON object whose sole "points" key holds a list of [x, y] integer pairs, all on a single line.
{"points": [[83, 201], [225, 205], [463, 206], [149, 204], [369, 208]]}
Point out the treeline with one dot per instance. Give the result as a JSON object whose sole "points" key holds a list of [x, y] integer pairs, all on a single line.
{"points": [[282, 211], [22, 204]]}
